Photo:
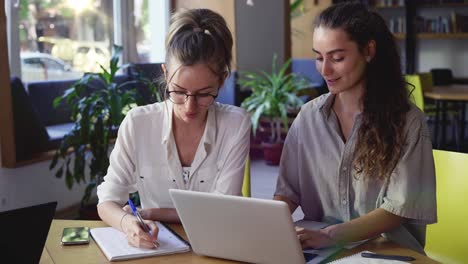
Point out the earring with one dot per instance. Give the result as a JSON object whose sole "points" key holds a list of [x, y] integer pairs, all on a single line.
{"points": [[368, 58]]}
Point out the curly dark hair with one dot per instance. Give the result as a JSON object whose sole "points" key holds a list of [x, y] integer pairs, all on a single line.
{"points": [[385, 101]]}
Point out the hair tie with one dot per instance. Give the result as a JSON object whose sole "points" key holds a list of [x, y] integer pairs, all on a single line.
{"points": [[197, 30]]}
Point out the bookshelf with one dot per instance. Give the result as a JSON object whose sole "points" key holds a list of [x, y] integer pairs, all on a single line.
{"points": [[461, 35], [449, 25], [416, 22]]}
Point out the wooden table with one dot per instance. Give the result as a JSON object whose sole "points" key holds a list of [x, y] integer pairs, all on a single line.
{"points": [[457, 93], [54, 252]]}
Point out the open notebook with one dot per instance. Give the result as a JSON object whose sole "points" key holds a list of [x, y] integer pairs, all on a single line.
{"points": [[357, 259], [114, 245]]}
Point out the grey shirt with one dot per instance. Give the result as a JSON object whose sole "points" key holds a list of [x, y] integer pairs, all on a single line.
{"points": [[316, 172]]}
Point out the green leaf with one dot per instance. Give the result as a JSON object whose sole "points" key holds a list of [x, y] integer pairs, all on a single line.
{"points": [[54, 161], [59, 172], [57, 101], [69, 180], [87, 194], [256, 117], [98, 105], [273, 94], [116, 109], [296, 8]]}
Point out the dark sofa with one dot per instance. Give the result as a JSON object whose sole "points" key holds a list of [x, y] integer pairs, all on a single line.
{"points": [[40, 127]]}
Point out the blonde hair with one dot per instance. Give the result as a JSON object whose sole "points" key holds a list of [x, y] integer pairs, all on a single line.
{"points": [[200, 36]]}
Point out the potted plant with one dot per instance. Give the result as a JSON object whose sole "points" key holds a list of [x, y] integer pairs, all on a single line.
{"points": [[99, 103], [274, 95]]}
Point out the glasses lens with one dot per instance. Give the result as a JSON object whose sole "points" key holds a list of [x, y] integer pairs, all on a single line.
{"points": [[205, 100], [177, 98]]}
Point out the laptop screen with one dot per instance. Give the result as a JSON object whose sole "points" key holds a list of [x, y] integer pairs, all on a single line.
{"points": [[24, 232]]}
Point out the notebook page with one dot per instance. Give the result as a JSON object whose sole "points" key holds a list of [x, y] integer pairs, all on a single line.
{"points": [[357, 259], [114, 245]]}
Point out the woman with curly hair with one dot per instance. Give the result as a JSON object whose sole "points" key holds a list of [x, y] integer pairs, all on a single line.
{"points": [[359, 157]]}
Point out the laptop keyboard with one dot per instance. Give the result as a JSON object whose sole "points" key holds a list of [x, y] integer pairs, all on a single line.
{"points": [[309, 256]]}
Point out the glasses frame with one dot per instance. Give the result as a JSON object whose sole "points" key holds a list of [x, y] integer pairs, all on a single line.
{"points": [[168, 93]]}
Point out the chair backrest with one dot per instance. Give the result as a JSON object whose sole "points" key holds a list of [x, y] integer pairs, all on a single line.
{"points": [[151, 72], [246, 184], [426, 81], [442, 76], [447, 240], [30, 133], [307, 69], [227, 93], [415, 90]]}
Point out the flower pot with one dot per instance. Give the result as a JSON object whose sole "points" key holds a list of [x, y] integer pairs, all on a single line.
{"points": [[272, 153]]}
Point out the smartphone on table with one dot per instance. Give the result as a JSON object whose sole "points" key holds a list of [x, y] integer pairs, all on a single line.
{"points": [[75, 236]]}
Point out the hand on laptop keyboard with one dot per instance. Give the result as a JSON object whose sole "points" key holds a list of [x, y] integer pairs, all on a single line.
{"points": [[314, 238]]}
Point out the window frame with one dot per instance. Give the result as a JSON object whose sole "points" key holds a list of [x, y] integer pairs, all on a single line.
{"points": [[10, 55]]}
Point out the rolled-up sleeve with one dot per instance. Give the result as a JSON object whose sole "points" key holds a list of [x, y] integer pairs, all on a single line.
{"points": [[120, 178], [411, 191], [288, 178]]}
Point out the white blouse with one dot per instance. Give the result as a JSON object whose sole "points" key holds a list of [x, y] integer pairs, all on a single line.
{"points": [[145, 157]]}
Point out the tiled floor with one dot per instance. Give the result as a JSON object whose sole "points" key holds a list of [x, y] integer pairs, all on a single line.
{"points": [[263, 182]]}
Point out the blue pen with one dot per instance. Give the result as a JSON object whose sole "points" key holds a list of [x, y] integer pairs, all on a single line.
{"points": [[137, 215], [390, 257]]}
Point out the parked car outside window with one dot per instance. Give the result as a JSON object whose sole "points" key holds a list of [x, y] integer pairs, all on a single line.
{"points": [[37, 66]]}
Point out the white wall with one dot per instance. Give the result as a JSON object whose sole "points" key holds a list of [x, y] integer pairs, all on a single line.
{"points": [[35, 184], [260, 33], [443, 53]]}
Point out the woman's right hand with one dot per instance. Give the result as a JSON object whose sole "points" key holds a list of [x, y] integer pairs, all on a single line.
{"points": [[136, 235]]}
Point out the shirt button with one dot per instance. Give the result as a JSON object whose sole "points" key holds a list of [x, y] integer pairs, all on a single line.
{"points": [[344, 202], [345, 169]]}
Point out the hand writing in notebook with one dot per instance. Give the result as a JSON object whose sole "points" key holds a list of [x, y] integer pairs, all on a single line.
{"points": [[140, 233]]}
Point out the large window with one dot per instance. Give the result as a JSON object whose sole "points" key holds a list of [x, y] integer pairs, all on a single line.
{"points": [[62, 39], [149, 40]]}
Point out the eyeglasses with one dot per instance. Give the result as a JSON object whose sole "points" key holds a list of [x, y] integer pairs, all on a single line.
{"points": [[202, 99]]}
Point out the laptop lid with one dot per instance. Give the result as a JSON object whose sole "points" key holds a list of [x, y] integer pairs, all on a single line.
{"points": [[24, 232], [238, 228]]}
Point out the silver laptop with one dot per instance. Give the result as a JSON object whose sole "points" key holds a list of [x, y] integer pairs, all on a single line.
{"points": [[238, 228]]}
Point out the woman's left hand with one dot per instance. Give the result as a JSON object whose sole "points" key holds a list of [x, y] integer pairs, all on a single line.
{"points": [[314, 238]]}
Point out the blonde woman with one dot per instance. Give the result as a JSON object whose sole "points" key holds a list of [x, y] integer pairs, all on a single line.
{"points": [[189, 141]]}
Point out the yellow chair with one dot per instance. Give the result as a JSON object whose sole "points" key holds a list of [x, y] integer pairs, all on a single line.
{"points": [[426, 81], [246, 183], [447, 240], [416, 90], [417, 84]]}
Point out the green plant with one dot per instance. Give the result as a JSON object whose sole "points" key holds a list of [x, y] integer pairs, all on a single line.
{"points": [[297, 9], [273, 96], [99, 104]]}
